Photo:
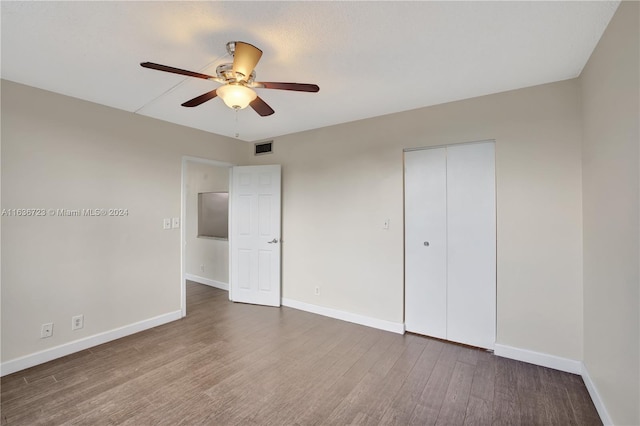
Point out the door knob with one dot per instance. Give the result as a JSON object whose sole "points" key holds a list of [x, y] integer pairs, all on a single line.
{"points": [[426, 243], [274, 241]]}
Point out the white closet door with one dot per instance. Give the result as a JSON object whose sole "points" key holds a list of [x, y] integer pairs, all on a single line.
{"points": [[425, 242], [471, 244]]}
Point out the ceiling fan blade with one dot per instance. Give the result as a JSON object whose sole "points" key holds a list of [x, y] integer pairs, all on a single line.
{"points": [[261, 107], [297, 87], [200, 99], [245, 58], [166, 68]]}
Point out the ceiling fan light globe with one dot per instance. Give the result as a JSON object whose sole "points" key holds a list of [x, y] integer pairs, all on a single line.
{"points": [[236, 96]]}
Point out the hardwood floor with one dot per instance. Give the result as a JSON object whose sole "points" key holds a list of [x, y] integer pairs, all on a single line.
{"points": [[229, 363]]}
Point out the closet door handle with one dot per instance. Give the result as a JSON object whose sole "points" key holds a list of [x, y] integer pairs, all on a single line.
{"points": [[426, 243], [274, 241]]}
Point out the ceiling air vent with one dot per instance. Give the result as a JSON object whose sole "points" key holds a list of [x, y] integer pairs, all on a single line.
{"points": [[264, 148]]}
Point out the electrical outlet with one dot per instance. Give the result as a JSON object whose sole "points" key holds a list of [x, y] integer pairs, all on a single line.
{"points": [[166, 223], [201, 268], [77, 322], [317, 291], [46, 330]]}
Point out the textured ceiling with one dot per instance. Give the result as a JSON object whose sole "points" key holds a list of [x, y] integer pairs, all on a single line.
{"points": [[369, 58]]}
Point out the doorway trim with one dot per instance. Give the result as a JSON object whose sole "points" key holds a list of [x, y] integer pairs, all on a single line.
{"points": [[183, 214]]}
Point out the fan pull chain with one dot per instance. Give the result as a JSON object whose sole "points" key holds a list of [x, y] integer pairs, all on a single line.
{"points": [[237, 133]]}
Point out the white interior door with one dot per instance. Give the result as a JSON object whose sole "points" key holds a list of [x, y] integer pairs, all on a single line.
{"points": [[471, 244], [426, 242], [254, 236]]}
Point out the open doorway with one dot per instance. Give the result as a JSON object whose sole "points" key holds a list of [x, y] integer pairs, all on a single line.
{"points": [[204, 251]]}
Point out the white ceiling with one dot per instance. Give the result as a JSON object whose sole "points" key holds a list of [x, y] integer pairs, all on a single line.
{"points": [[369, 58]]}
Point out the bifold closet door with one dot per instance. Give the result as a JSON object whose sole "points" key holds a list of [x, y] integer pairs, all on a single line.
{"points": [[471, 244], [450, 243], [426, 242]]}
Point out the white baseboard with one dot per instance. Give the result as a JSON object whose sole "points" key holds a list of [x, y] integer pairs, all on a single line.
{"points": [[595, 397], [562, 364], [539, 358], [207, 281], [394, 327], [65, 349]]}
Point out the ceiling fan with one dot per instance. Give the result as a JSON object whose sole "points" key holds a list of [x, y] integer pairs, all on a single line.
{"points": [[238, 79]]}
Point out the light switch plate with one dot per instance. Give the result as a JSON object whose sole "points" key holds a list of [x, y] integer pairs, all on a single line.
{"points": [[175, 222], [166, 224]]}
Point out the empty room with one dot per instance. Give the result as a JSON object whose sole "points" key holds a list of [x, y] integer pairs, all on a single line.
{"points": [[309, 213]]}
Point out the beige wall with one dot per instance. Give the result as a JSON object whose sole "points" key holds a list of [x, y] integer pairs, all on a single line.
{"points": [[60, 152], [340, 183], [610, 97], [212, 255]]}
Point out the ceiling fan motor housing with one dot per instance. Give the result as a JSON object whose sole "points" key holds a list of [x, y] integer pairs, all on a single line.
{"points": [[226, 72]]}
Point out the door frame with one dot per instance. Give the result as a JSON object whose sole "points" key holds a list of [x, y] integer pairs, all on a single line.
{"points": [[183, 210]]}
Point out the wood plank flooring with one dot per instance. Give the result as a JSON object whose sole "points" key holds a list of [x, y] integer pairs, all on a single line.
{"points": [[228, 364]]}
